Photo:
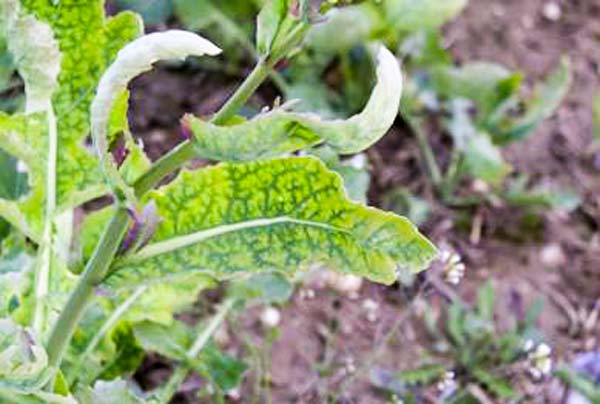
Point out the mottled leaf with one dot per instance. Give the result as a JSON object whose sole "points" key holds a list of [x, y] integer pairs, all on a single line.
{"points": [[280, 131], [278, 215], [134, 59], [83, 60], [268, 23], [24, 361]]}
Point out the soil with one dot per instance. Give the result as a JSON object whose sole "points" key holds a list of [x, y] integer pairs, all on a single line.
{"points": [[328, 342]]}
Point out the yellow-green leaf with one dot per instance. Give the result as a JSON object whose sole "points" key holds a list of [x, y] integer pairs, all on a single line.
{"points": [[281, 215]]}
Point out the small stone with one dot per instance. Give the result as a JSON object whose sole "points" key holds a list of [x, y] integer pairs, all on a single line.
{"points": [[551, 11], [553, 256], [345, 284], [270, 317], [480, 186]]}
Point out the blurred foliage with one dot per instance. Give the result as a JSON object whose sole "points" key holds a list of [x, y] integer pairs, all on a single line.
{"points": [[467, 347]]}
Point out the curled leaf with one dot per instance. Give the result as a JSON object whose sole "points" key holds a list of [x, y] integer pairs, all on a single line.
{"points": [[24, 361], [135, 58], [281, 131], [35, 51]]}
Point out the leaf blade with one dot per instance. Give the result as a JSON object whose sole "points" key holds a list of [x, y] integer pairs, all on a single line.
{"points": [[279, 215]]}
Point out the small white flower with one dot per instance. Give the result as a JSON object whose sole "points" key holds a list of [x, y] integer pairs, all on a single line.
{"points": [[447, 382], [453, 268], [540, 361], [371, 307], [347, 284], [528, 345], [551, 11], [270, 317]]}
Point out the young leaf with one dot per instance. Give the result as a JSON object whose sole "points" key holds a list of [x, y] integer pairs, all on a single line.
{"points": [[410, 15], [24, 361], [268, 23], [280, 131], [495, 384], [485, 302], [134, 59], [280, 215], [547, 97], [70, 177], [114, 391]]}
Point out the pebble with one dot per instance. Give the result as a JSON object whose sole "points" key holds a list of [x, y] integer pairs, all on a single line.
{"points": [[551, 11], [552, 255], [270, 317]]}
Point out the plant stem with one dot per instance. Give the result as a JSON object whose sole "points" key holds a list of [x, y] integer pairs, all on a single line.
{"points": [[107, 326], [106, 249], [95, 271], [180, 373], [43, 266], [432, 167], [248, 87]]}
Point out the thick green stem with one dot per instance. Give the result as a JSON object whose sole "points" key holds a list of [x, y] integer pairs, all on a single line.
{"points": [[204, 334], [248, 87], [106, 249], [81, 296]]}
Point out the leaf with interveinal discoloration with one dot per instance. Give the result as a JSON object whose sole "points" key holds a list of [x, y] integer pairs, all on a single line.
{"points": [[88, 43], [281, 215]]}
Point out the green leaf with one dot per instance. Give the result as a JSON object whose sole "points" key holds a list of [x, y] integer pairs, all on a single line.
{"points": [[134, 59], [225, 371], [127, 353], [456, 324], [174, 342], [580, 382], [423, 375], [485, 302], [114, 391], [161, 301], [545, 100], [280, 131], [82, 62], [494, 384], [332, 36], [13, 182], [24, 138], [486, 84], [279, 215], [403, 202], [268, 22], [24, 361], [35, 52], [482, 158], [411, 15], [170, 341], [267, 287]]}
